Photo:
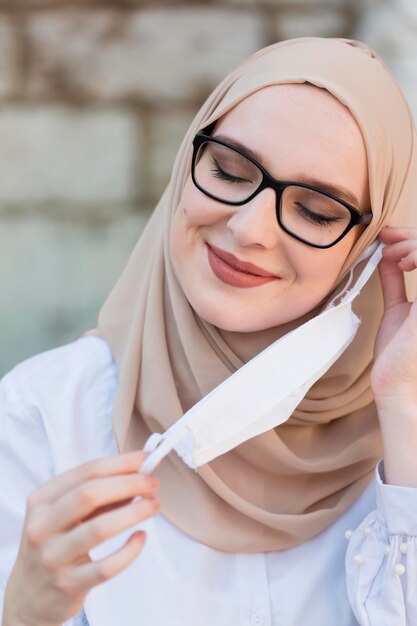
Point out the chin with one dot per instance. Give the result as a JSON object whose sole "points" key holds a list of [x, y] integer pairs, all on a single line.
{"points": [[232, 325], [230, 316], [217, 315], [224, 319]]}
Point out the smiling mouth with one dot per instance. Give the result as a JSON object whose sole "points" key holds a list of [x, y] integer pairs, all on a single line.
{"points": [[231, 271]]}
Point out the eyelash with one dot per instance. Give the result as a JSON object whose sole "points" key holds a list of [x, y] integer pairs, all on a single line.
{"points": [[222, 175], [315, 217]]}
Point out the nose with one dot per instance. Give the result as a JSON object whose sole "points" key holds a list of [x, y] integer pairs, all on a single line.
{"points": [[255, 223]]}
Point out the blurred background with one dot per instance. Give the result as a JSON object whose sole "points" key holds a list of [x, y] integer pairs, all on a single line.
{"points": [[95, 97]]}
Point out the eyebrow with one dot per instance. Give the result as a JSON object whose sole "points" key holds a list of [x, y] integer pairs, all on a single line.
{"points": [[335, 190]]}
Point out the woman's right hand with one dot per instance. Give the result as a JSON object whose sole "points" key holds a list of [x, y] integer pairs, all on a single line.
{"points": [[65, 518]]}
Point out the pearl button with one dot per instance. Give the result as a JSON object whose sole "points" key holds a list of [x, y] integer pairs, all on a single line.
{"points": [[348, 534], [403, 548], [358, 559], [366, 531], [256, 619], [387, 550], [399, 569]]}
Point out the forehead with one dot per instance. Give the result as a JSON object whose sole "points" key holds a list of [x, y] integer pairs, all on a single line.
{"points": [[300, 131], [301, 98]]}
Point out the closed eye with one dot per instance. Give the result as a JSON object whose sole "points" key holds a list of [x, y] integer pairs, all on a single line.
{"points": [[317, 218], [221, 174]]}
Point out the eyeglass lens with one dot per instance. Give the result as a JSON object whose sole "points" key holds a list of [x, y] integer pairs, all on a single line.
{"points": [[231, 177]]}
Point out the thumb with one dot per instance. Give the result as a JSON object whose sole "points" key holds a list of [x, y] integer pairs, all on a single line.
{"points": [[393, 283]]}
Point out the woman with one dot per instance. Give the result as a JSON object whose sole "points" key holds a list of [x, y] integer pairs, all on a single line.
{"points": [[301, 158]]}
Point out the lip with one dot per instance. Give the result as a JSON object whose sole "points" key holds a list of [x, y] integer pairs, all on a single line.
{"points": [[234, 272], [241, 266]]}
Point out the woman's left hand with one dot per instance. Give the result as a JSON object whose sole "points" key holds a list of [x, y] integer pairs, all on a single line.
{"points": [[394, 374]]}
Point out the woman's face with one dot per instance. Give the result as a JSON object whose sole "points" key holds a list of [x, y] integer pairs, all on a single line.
{"points": [[299, 133]]}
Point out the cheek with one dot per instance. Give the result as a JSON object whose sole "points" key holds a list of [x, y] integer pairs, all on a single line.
{"points": [[317, 270], [196, 209], [192, 216]]}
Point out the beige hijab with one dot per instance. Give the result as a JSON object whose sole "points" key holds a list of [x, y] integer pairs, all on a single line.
{"points": [[283, 487]]}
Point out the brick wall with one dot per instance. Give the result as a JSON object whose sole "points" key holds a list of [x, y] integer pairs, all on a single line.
{"points": [[94, 99]]}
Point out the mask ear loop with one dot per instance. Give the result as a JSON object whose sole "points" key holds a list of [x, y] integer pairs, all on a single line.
{"points": [[343, 293], [374, 253], [160, 445], [155, 446]]}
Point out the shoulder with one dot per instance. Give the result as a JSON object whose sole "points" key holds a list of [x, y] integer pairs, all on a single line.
{"points": [[62, 398], [84, 364], [85, 356]]}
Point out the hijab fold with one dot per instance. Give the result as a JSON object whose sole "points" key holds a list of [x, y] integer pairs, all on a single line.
{"points": [[285, 486]]}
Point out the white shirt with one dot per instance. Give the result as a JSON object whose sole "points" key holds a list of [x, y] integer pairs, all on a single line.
{"points": [[55, 413]]}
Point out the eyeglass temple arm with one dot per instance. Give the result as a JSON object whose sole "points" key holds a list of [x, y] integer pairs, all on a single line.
{"points": [[366, 218]]}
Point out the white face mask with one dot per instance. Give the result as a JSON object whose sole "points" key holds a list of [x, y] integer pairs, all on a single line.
{"points": [[262, 394]]}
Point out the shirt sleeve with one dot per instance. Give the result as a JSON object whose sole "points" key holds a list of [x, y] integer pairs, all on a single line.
{"points": [[381, 559], [52, 408], [25, 464]]}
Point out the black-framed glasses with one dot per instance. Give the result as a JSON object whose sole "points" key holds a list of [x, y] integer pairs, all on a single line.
{"points": [[227, 174]]}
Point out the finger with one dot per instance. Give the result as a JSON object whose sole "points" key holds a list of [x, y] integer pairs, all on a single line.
{"points": [[83, 577], [397, 251], [393, 234], [65, 549], [85, 499], [393, 284], [409, 262], [107, 466], [106, 508]]}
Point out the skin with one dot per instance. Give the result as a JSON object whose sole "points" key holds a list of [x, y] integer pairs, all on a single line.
{"points": [[71, 514], [393, 377], [65, 518], [326, 145]]}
